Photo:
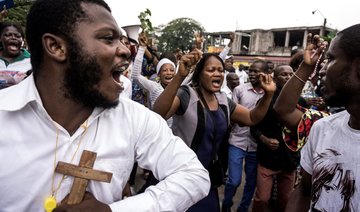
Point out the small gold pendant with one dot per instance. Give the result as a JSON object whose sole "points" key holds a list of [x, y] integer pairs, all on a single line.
{"points": [[50, 203]]}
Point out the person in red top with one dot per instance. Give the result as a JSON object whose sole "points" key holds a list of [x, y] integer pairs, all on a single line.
{"points": [[296, 119]]}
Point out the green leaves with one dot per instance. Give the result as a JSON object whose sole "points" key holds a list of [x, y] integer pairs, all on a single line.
{"points": [[179, 34], [329, 36], [145, 22], [18, 13]]}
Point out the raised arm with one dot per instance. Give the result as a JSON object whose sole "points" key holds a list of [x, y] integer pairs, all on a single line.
{"points": [[4, 12], [167, 103], [227, 48], [199, 40], [285, 105], [136, 70], [244, 116]]}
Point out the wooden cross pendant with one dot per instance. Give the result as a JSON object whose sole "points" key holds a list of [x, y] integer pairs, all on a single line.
{"points": [[82, 174]]}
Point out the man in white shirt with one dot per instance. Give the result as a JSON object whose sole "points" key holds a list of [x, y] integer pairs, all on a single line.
{"points": [[232, 80], [71, 103], [228, 59], [243, 76]]}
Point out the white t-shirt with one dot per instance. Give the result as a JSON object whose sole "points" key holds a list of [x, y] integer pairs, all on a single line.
{"points": [[227, 91], [332, 157], [120, 136]]}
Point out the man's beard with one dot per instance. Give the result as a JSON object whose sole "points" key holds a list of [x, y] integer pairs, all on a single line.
{"points": [[81, 78], [343, 94], [341, 98]]}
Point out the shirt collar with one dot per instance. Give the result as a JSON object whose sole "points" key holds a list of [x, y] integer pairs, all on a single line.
{"points": [[251, 88], [18, 96]]}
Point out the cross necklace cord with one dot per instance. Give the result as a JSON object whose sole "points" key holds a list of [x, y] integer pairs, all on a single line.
{"points": [[50, 202]]}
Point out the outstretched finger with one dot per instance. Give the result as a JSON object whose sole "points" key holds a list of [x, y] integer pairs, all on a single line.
{"points": [[319, 42], [263, 78], [197, 55], [268, 78], [310, 46], [316, 40], [308, 39]]}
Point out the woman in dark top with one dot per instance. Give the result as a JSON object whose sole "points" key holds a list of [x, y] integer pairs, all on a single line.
{"points": [[202, 113]]}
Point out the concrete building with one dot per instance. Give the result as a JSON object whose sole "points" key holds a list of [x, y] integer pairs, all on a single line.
{"points": [[273, 44]]}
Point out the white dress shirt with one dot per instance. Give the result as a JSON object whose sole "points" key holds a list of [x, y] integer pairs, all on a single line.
{"points": [[120, 136], [243, 76], [227, 91]]}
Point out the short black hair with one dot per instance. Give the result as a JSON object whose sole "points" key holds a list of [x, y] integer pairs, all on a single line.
{"points": [[265, 66], [4, 25], [349, 41], [58, 17], [200, 67], [229, 75], [279, 68]]}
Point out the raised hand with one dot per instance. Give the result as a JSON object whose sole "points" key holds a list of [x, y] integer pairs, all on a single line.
{"points": [[314, 49], [188, 60], [232, 36], [4, 12], [199, 39], [267, 83], [142, 39]]}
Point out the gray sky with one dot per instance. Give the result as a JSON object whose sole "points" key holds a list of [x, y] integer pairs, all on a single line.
{"points": [[230, 15]]}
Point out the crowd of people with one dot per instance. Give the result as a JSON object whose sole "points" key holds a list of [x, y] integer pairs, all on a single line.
{"points": [[191, 119]]}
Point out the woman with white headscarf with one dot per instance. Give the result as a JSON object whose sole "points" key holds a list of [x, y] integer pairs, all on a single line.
{"points": [[165, 70]]}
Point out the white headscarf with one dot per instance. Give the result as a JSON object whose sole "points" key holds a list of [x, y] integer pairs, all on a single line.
{"points": [[162, 62]]}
